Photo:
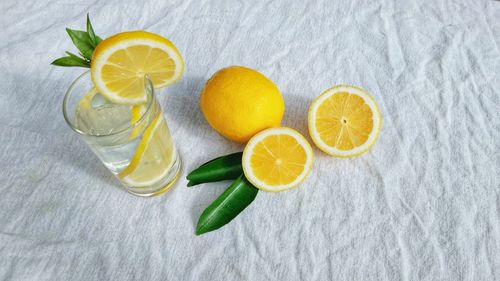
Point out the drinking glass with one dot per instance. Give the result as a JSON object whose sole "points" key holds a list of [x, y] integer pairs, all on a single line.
{"points": [[132, 141]]}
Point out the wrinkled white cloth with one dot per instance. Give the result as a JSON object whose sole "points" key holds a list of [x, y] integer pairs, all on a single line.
{"points": [[423, 204]]}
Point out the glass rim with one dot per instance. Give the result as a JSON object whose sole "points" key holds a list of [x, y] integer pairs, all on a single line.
{"points": [[75, 128]]}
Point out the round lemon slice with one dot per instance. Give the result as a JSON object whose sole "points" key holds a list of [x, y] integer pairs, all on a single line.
{"points": [[120, 62], [277, 159], [153, 157], [136, 112], [344, 121], [85, 102]]}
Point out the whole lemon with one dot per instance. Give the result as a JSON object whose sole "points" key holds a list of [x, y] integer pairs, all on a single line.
{"points": [[239, 102]]}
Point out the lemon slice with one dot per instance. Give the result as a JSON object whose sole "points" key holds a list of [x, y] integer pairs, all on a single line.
{"points": [[120, 62], [136, 112], [153, 157], [85, 102], [277, 159], [344, 121]]}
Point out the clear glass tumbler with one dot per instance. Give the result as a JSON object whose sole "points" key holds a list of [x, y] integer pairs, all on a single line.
{"points": [[133, 141]]}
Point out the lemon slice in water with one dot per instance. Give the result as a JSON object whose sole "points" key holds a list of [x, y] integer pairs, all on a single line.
{"points": [[153, 157]]}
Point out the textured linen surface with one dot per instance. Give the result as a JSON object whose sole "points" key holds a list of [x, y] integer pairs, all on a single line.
{"points": [[423, 204]]}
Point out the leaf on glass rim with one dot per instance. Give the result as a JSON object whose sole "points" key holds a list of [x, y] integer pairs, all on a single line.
{"points": [[82, 41], [85, 42], [94, 39], [99, 39], [73, 55], [227, 206], [71, 60]]}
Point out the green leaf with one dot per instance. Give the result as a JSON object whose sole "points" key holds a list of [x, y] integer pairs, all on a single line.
{"points": [[225, 208], [85, 41], [71, 60], [82, 41], [226, 167], [98, 40], [94, 39], [74, 56]]}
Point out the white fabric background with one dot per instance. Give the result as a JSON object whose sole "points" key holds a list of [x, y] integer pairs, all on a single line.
{"points": [[423, 204]]}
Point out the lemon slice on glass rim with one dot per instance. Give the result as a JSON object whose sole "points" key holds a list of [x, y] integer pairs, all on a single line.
{"points": [[120, 62]]}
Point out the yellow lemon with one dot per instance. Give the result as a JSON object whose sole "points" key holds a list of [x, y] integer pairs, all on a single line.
{"points": [[344, 121], [120, 62], [277, 159], [239, 102]]}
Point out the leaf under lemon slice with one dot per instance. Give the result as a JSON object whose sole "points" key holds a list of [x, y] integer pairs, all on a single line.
{"points": [[227, 206]]}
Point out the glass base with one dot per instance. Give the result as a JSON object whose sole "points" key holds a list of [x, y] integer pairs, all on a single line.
{"points": [[164, 185]]}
